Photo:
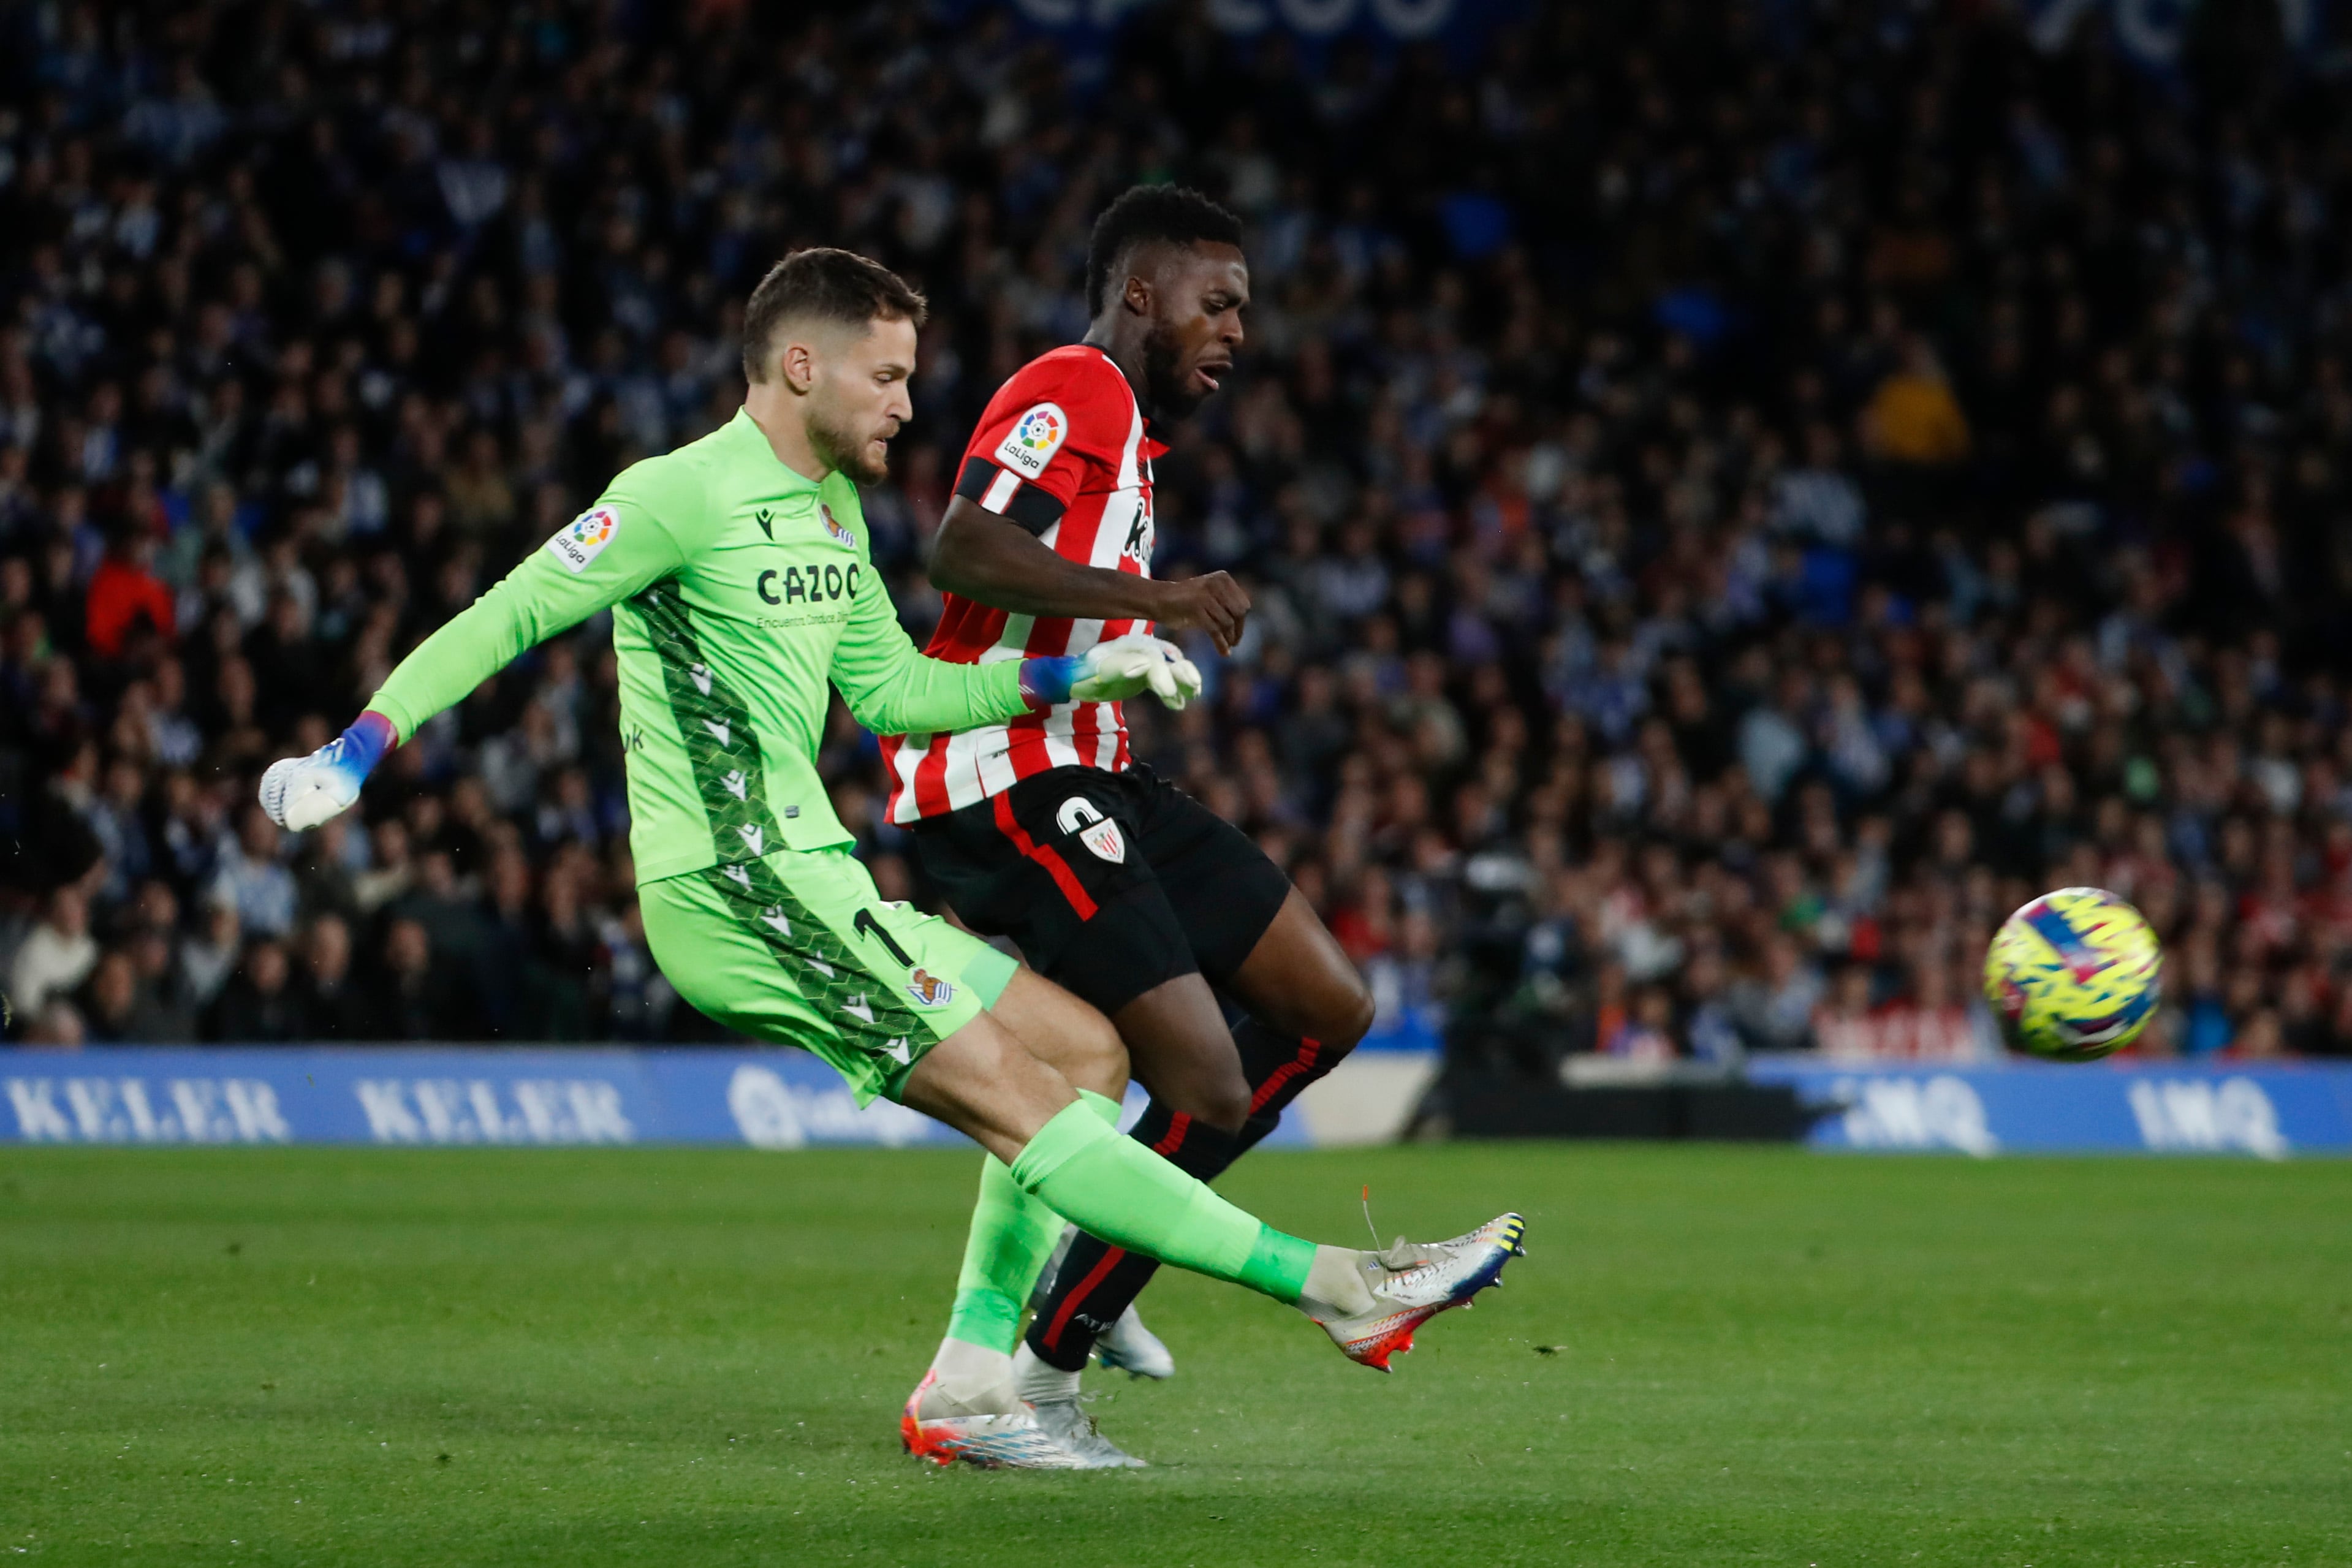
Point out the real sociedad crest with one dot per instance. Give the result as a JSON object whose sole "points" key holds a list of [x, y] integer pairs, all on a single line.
{"points": [[928, 989]]}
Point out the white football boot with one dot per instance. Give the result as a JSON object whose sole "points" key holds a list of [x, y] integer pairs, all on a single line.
{"points": [[1066, 1422], [1052, 1395], [938, 1429], [1411, 1282], [1131, 1348]]}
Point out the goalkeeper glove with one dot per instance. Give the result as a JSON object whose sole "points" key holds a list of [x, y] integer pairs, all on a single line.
{"points": [[1113, 672], [300, 792]]}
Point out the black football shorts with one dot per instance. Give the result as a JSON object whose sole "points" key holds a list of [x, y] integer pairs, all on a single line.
{"points": [[1111, 883]]}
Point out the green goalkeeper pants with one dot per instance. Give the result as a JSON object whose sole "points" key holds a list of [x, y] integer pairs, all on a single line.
{"points": [[798, 949]]}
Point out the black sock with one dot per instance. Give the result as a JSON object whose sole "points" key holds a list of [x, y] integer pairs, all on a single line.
{"points": [[1098, 1281], [1279, 1067]]}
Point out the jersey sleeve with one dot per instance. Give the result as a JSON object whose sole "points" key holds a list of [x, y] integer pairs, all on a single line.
{"points": [[616, 548], [1054, 421], [891, 689]]}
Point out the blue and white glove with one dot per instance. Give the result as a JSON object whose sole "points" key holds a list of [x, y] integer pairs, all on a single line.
{"points": [[300, 792], [1113, 672]]}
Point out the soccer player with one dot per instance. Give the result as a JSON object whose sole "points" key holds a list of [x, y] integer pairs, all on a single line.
{"points": [[737, 572], [1116, 884]]}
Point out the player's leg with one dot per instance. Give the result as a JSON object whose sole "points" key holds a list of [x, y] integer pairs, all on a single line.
{"points": [[983, 1081], [1308, 1008], [1011, 1233], [801, 950], [1060, 863], [789, 948], [1260, 942], [1215, 1093]]}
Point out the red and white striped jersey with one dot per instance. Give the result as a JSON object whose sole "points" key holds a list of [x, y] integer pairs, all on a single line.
{"points": [[1061, 451]]}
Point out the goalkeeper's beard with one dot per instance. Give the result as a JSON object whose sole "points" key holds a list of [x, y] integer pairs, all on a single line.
{"points": [[845, 449]]}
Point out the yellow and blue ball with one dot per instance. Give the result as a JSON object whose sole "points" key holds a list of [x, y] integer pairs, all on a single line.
{"points": [[2074, 975]]}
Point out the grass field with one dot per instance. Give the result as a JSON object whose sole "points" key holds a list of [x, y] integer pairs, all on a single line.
{"points": [[688, 1357]]}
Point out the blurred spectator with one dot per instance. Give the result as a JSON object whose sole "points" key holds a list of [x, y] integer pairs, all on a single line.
{"points": [[332, 1006], [57, 1026], [1912, 416], [57, 954], [1774, 1009], [252, 880], [126, 595], [209, 954], [161, 1012], [109, 1002], [260, 1005], [411, 1000]]}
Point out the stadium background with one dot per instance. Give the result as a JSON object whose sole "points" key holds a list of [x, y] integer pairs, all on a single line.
{"points": [[1737, 497]]}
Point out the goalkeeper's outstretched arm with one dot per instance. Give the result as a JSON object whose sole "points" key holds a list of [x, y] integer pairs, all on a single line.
{"points": [[592, 564]]}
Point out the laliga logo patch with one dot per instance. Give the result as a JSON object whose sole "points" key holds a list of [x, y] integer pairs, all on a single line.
{"points": [[834, 528], [586, 536], [1035, 436], [1097, 832], [928, 989]]}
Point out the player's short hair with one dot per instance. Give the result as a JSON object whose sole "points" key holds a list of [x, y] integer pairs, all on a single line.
{"points": [[824, 284], [1174, 215]]}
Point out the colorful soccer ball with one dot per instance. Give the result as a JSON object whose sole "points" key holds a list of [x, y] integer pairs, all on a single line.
{"points": [[2074, 975]]}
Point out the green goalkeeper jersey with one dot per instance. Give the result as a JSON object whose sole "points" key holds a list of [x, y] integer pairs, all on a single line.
{"points": [[737, 589]]}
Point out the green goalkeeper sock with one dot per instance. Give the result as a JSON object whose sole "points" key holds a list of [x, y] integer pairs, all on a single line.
{"points": [[1117, 1189], [1011, 1235]]}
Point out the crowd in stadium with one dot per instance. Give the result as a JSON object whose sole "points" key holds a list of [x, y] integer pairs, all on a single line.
{"points": [[1732, 510]]}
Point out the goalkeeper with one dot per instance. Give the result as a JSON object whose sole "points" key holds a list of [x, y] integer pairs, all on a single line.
{"points": [[737, 572]]}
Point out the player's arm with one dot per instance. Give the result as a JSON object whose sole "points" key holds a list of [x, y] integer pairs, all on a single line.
{"points": [[998, 559], [622, 551], [892, 689]]}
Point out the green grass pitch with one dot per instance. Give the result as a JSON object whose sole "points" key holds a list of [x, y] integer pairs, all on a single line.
{"points": [[1711, 1356]]}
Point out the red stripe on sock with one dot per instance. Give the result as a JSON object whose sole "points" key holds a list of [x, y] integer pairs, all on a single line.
{"points": [[1044, 854], [1177, 1125], [1304, 1062], [1095, 1276]]}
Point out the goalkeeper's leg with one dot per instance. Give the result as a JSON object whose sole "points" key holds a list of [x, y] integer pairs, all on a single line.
{"points": [[1214, 1093], [1012, 1233], [985, 1081]]}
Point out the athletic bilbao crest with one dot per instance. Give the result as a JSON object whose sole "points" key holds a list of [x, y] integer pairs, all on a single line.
{"points": [[1097, 831], [928, 989], [832, 525]]}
